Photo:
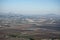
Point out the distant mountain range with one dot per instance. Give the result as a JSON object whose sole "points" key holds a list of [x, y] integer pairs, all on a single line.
{"points": [[49, 21]]}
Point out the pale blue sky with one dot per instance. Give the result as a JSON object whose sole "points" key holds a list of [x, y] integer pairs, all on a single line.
{"points": [[30, 6]]}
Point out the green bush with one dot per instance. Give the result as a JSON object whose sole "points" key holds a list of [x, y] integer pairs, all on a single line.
{"points": [[12, 35]]}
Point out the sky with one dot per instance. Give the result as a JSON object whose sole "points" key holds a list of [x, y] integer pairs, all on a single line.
{"points": [[30, 6]]}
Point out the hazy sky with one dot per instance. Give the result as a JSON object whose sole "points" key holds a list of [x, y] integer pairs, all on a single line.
{"points": [[30, 6]]}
